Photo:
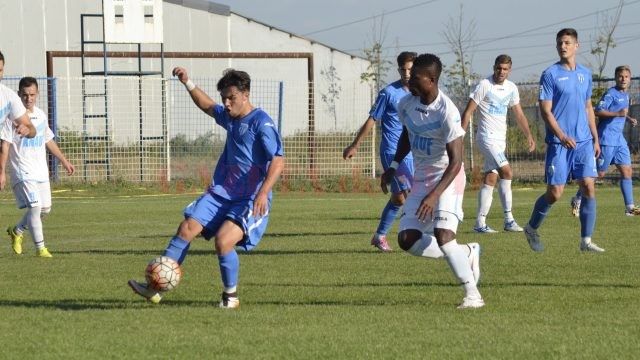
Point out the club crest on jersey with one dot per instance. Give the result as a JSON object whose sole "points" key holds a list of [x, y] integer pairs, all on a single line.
{"points": [[581, 78], [243, 129]]}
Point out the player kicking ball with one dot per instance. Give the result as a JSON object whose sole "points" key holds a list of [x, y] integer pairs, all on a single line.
{"points": [[235, 207]]}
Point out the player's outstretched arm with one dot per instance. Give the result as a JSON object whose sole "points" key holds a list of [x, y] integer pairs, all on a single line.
{"points": [[351, 150], [199, 97], [53, 148], [523, 124]]}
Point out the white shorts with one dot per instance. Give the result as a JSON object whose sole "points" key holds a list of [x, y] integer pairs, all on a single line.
{"points": [[32, 194], [493, 152], [448, 212]]}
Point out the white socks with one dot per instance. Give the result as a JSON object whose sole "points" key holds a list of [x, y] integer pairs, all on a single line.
{"points": [[459, 264], [485, 197], [506, 197]]}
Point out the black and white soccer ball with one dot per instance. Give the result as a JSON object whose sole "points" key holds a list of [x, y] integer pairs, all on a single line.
{"points": [[163, 273]]}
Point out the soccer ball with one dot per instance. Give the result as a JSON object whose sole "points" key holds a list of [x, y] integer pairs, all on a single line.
{"points": [[163, 273]]}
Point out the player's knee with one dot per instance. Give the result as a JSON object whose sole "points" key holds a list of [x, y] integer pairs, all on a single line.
{"points": [[506, 172], [406, 238], [44, 212], [189, 229], [398, 199]]}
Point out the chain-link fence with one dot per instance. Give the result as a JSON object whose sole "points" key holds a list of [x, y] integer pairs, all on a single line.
{"points": [[149, 130]]}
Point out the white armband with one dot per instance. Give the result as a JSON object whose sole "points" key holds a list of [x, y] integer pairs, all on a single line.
{"points": [[189, 85], [394, 165]]}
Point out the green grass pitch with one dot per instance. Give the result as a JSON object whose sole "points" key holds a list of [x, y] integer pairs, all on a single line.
{"points": [[316, 289]]}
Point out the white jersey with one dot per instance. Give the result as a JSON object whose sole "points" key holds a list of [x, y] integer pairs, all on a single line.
{"points": [[11, 107], [430, 127], [28, 157], [493, 102]]}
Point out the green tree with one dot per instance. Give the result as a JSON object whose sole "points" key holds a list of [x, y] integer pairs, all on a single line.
{"points": [[378, 65], [602, 42]]}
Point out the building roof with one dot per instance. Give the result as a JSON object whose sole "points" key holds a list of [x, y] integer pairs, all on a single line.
{"points": [[225, 10]]}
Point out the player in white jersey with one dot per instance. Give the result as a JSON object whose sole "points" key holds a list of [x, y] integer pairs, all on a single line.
{"points": [[432, 131], [492, 97], [30, 171], [12, 110]]}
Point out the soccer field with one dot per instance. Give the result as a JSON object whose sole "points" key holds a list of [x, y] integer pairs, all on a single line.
{"points": [[316, 289]]}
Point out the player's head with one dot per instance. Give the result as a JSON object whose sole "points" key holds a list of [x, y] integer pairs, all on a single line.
{"points": [[425, 74], [501, 68], [1, 65], [405, 61], [234, 88], [567, 43], [28, 91], [623, 77]]}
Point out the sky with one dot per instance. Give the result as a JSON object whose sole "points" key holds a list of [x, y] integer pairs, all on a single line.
{"points": [[525, 30]]}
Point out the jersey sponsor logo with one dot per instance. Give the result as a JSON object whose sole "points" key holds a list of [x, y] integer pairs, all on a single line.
{"points": [[37, 141], [440, 218], [563, 78], [421, 110], [422, 143]]}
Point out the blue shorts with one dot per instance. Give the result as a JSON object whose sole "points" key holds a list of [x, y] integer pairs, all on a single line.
{"points": [[403, 177], [211, 211], [561, 162], [613, 155]]}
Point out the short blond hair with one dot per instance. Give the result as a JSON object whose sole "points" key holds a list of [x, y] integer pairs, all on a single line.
{"points": [[622, 68]]}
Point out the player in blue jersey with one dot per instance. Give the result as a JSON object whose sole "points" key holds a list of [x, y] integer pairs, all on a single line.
{"points": [[613, 112], [432, 131], [235, 207], [492, 97], [571, 137], [385, 110]]}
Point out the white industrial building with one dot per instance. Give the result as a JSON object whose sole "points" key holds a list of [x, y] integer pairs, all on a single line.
{"points": [[33, 28]]}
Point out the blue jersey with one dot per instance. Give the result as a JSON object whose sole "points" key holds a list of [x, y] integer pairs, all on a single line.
{"points": [[610, 128], [569, 92], [252, 142], [385, 110]]}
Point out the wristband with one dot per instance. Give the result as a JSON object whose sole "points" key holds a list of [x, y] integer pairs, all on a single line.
{"points": [[394, 165], [189, 85]]}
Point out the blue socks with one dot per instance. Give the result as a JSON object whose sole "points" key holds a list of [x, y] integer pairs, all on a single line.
{"points": [[387, 218], [587, 216], [229, 268], [539, 213], [627, 191], [177, 249]]}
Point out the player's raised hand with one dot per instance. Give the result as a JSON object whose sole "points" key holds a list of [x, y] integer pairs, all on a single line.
{"points": [[181, 73]]}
